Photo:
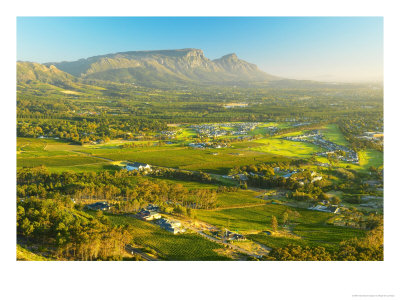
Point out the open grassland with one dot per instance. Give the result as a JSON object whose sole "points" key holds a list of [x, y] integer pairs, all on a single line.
{"points": [[285, 148], [238, 198], [370, 158], [332, 133], [186, 133], [309, 228], [187, 246]]}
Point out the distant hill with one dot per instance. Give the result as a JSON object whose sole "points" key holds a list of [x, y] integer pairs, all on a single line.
{"points": [[165, 66], [29, 71]]}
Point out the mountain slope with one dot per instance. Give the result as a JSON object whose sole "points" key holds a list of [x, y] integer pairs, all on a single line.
{"points": [[28, 71], [248, 72], [184, 65]]}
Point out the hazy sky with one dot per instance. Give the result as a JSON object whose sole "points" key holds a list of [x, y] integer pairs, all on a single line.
{"points": [[319, 48]]}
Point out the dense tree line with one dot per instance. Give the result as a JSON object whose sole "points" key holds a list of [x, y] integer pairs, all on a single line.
{"points": [[85, 131], [69, 234], [118, 186]]}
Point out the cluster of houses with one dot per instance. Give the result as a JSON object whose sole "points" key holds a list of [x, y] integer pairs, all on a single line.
{"points": [[235, 105], [374, 136], [301, 124], [244, 128], [272, 129], [241, 177], [216, 130], [289, 173], [168, 133], [285, 173], [317, 139], [208, 145], [102, 205], [151, 213], [210, 130]]}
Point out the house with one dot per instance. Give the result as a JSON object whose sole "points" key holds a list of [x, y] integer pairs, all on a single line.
{"points": [[152, 207], [316, 178], [138, 167], [288, 175], [149, 215], [331, 209], [232, 236], [171, 225], [99, 206], [242, 177]]}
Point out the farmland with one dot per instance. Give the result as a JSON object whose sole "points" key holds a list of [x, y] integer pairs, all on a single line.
{"points": [[270, 177], [167, 245], [309, 228], [286, 148]]}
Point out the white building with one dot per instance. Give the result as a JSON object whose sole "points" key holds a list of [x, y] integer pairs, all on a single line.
{"points": [[136, 166]]}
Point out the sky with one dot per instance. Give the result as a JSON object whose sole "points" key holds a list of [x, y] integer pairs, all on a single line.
{"points": [[315, 48]]}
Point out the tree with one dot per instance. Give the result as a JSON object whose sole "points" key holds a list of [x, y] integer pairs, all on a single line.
{"points": [[274, 224], [285, 217], [335, 200]]}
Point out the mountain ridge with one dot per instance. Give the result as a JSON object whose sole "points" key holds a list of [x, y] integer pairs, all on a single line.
{"points": [[180, 65]]}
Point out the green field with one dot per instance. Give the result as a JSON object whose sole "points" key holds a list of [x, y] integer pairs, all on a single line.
{"points": [[238, 198], [370, 158], [57, 161], [189, 159], [283, 147], [332, 132], [310, 228], [187, 246], [57, 156], [96, 167], [186, 133]]}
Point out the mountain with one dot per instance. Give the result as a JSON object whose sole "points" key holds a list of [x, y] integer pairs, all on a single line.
{"points": [[29, 71], [165, 66]]}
